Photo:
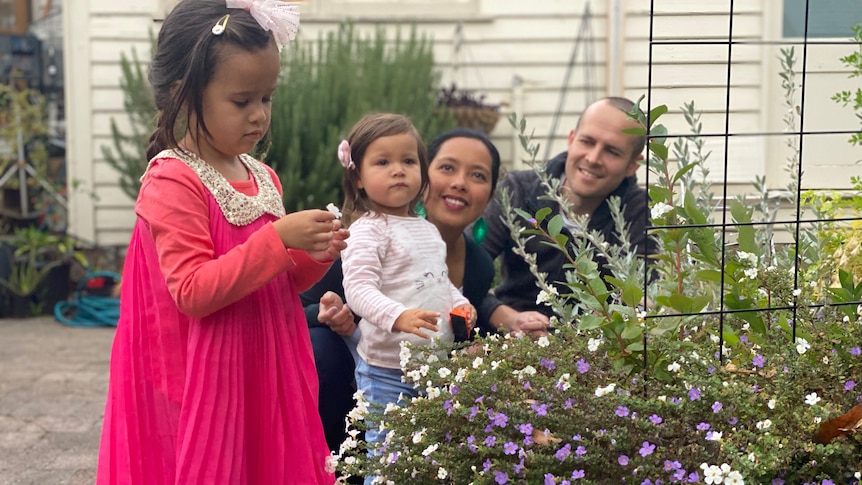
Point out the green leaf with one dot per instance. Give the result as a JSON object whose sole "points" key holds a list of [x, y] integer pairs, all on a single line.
{"points": [[542, 213], [745, 234], [633, 332], [712, 275], [635, 346], [589, 322], [555, 225], [658, 149], [656, 113]]}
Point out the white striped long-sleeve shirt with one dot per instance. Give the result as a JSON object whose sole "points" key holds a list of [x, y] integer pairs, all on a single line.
{"points": [[393, 264]]}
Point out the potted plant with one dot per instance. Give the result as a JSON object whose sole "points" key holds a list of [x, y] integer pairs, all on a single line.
{"points": [[40, 266], [24, 283], [469, 109]]}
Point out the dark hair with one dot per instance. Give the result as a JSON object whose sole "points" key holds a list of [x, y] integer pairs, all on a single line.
{"points": [[364, 133], [624, 104], [442, 138], [187, 53]]}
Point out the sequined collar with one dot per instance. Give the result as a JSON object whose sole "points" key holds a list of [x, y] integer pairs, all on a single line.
{"points": [[239, 209]]}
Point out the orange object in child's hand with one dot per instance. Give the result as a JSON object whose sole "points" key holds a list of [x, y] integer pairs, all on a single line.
{"points": [[459, 319]]}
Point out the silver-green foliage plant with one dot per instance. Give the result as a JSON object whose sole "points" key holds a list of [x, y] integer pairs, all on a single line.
{"points": [[853, 98], [327, 85], [721, 369]]}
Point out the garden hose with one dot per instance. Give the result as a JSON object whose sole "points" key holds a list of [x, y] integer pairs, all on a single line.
{"points": [[88, 306]]}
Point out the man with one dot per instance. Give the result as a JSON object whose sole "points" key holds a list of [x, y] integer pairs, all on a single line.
{"points": [[600, 162]]}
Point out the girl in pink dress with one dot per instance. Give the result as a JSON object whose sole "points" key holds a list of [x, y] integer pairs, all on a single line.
{"points": [[212, 376]]}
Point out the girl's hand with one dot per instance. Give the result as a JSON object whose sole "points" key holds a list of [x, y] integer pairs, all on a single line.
{"points": [[336, 245], [336, 314], [471, 322], [309, 230], [416, 319]]}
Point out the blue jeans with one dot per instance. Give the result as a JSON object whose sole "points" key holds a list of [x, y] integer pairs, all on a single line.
{"points": [[381, 386]]}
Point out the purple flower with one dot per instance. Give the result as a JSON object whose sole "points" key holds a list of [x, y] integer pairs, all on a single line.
{"points": [[525, 428], [471, 444], [473, 412], [623, 460], [655, 419], [646, 449], [675, 401], [501, 477], [694, 394], [703, 426], [510, 448], [777, 481], [710, 369], [549, 479], [486, 465], [580, 451], [494, 388], [732, 421], [548, 364], [500, 420], [527, 385], [855, 351], [454, 390], [490, 441], [693, 477], [583, 366], [849, 385], [622, 411], [758, 361], [447, 405], [541, 409], [827, 481], [578, 474], [716, 407], [671, 465], [563, 452], [567, 404]]}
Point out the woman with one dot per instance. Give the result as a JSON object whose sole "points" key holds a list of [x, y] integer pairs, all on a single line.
{"points": [[463, 174]]}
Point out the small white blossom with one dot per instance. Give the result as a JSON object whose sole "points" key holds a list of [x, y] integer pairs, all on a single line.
{"points": [[751, 273], [432, 358], [771, 404], [660, 209], [601, 391], [812, 399], [802, 346], [711, 474], [432, 392], [390, 406], [442, 473], [817, 420], [418, 436], [444, 372], [734, 478], [674, 367], [714, 436], [593, 344], [797, 292], [765, 424], [430, 449], [477, 362], [543, 341], [461, 375], [495, 364], [825, 359], [546, 297]]}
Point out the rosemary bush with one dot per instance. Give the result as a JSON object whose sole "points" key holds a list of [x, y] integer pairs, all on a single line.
{"points": [[737, 364]]}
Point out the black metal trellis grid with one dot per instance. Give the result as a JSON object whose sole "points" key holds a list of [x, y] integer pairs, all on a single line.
{"points": [[726, 135]]}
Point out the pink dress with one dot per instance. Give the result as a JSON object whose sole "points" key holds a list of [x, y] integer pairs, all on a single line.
{"points": [[212, 375]]}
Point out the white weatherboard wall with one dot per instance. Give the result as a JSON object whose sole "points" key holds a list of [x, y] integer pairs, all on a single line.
{"points": [[516, 53]]}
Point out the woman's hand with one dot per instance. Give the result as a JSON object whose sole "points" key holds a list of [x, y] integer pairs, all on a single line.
{"points": [[530, 323], [336, 314]]}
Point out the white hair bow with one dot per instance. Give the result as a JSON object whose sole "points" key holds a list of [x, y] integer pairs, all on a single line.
{"points": [[281, 18]]}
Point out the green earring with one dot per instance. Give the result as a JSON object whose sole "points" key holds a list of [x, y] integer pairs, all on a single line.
{"points": [[420, 209], [480, 230]]}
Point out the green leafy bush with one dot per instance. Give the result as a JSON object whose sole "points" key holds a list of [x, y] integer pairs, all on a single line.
{"points": [[327, 86], [743, 367]]}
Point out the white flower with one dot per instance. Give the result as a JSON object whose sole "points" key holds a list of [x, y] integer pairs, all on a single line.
{"points": [[418, 436], [563, 382], [424, 370], [751, 273], [529, 370], [765, 424], [711, 474], [433, 358], [751, 457], [771, 404], [543, 341], [390, 406], [846, 319], [601, 391], [462, 373], [546, 297], [495, 364], [477, 362], [714, 436], [662, 398], [442, 473], [444, 372], [734, 478], [802, 346], [404, 355], [825, 359], [673, 367], [660, 209], [812, 399], [593, 344], [817, 420], [433, 392], [430, 449], [797, 292]]}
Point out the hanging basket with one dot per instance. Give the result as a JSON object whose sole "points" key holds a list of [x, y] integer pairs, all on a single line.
{"points": [[475, 117]]}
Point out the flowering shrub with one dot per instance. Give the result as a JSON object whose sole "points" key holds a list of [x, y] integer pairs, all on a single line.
{"points": [[723, 366]]}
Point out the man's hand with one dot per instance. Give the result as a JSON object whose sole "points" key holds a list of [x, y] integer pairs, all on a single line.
{"points": [[334, 313]]}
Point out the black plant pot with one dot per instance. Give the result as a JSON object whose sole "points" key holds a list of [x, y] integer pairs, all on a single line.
{"points": [[55, 287], [19, 306]]}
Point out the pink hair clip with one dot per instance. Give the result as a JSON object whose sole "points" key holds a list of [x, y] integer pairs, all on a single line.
{"points": [[344, 155], [282, 18]]}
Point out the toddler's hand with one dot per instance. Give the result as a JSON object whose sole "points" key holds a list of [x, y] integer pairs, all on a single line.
{"points": [[416, 319], [309, 230], [471, 323]]}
